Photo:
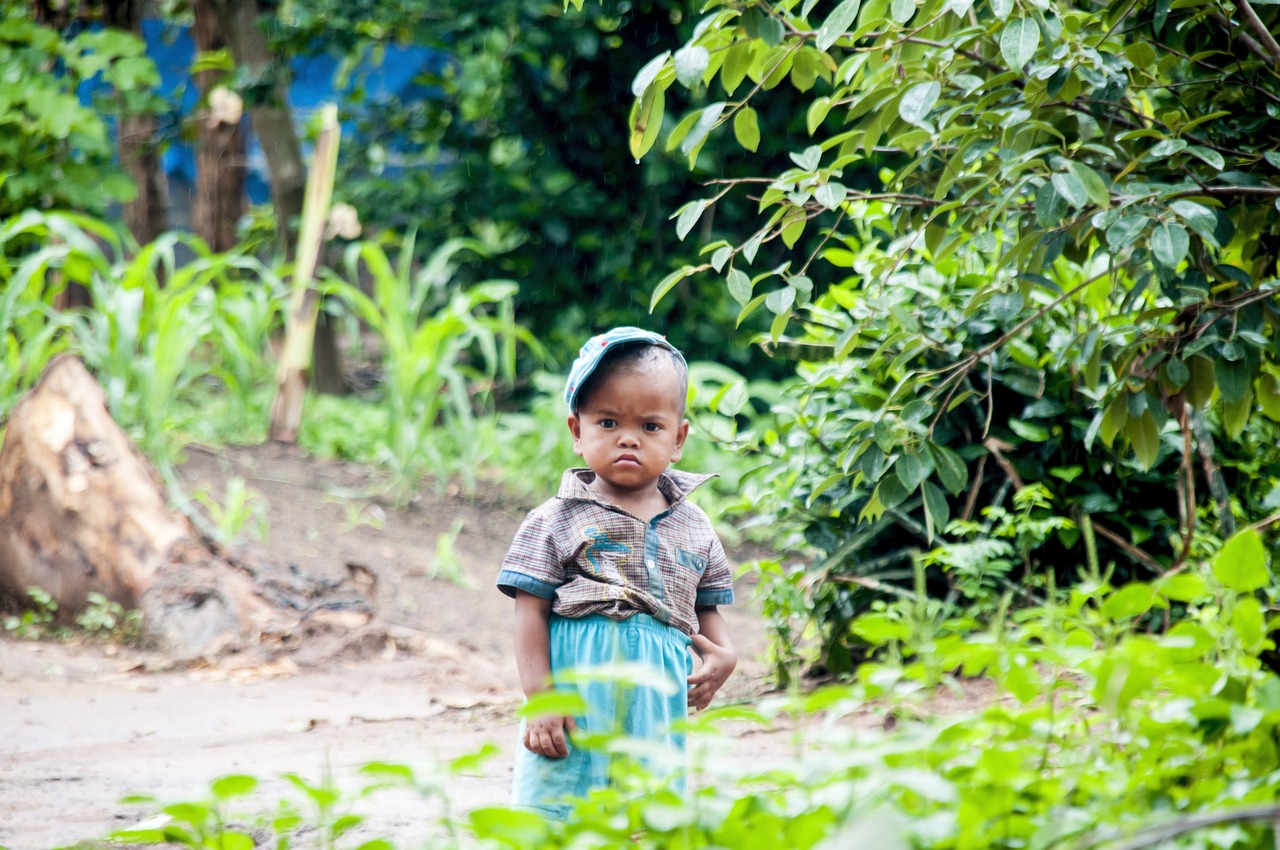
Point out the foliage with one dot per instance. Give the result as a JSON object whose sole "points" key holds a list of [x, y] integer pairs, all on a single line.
{"points": [[509, 136], [56, 152], [1023, 244], [241, 513], [101, 619], [181, 340], [1083, 722], [442, 347], [152, 315], [37, 621]]}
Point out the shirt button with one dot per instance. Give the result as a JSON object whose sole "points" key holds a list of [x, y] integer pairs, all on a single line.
{"points": [[650, 564]]}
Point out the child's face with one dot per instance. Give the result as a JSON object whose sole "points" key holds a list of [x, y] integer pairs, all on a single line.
{"points": [[631, 427]]}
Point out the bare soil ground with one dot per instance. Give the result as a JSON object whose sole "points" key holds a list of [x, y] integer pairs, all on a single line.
{"points": [[83, 725]]}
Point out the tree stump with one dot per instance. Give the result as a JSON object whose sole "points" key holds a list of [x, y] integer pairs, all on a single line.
{"points": [[82, 511]]}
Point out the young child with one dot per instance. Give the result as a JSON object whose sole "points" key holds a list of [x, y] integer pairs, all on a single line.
{"points": [[619, 566]]}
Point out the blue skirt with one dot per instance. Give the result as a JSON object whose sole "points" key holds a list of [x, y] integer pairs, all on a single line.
{"points": [[648, 709]]}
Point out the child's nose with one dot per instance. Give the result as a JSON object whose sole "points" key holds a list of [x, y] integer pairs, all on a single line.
{"points": [[627, 437]]}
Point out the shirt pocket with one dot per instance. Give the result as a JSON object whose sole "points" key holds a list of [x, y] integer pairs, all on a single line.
{"points": [[691, 561]]}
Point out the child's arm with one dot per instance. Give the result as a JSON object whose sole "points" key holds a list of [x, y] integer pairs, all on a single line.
{"points": [[546, 736], [719, 658]]}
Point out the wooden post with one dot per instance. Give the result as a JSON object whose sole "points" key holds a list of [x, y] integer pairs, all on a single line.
{"points": [[300, 327]]}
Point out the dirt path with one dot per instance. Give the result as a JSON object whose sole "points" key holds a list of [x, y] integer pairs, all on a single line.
{"points": [[81, 727]]}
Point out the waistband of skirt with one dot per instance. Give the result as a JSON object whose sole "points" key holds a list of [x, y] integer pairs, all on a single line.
{"points": [[638, 621]]}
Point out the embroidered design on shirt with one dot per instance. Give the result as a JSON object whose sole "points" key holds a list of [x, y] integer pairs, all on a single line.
{"points": [[602, 546]]}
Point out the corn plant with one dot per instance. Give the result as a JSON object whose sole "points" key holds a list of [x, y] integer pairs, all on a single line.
{"points": [[39, 254], [443, 346], [151, 316]]}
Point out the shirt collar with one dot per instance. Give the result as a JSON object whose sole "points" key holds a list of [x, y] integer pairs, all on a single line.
{"points": [[675, 484]]}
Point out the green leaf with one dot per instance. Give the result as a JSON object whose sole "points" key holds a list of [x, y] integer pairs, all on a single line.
{"points": [[1234, 377], [901, 11], [1125, 231], [760, 24], [1144, 435], [736, 64], [233, 786], [1242, 564], [553, 703], [1204, 375], [740, 285], [746, 129], [951, 470], [809, 159], [1095, 187], [1207, 155], [1019, 42], [707, 119], [1198, 217], [688, 217], [646, 121], [667, 283], [1170, 243], [778, 325], [1050, 206], [648, 74], [733, 398], [780, 300], [830, 195], [1071, 188], [691, 63], [911, 470], [817, 113], [1235, 415], [1132, 600], [937, 512], [1141, 55], [823, 486], [879, 629], [837, 24], [1183, 587], [918, 101], [791, 231], [1269, 396], [1175, 373]]}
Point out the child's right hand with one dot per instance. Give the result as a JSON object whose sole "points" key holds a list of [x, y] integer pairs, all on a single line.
{"points": [[549, 736]]}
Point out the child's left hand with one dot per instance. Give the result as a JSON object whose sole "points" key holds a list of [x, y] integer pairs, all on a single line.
{"points": [[718, 662]]}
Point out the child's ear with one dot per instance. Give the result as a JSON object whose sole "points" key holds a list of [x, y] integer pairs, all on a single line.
{"points": [[681, 435], [575, 428]]}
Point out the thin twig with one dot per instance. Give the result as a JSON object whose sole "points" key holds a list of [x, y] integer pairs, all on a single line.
{"points": [[1260, 29], [1129, 549], [1155, 835]]}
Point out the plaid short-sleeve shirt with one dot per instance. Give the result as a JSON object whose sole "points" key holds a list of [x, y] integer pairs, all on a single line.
{"points": [[592, 557]]}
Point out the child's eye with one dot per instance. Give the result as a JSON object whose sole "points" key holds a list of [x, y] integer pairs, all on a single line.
{"points": [[652, 426], [607, 423]]}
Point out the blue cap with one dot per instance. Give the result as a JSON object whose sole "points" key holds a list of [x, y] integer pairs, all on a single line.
{"points": [[593, 351]]}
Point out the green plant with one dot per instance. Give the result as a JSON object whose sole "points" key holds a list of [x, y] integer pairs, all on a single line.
{"points": [[57, 152], [200, 825], [442, 348], [446, 564], [982, 287], [107, 619], [1081, 723], [37, 621], [242, 512]]}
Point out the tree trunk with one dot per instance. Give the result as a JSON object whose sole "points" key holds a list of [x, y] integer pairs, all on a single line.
{"points": [[82, 511], [273, 126], [146, 215], [269, 111], [220, 151]]}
